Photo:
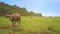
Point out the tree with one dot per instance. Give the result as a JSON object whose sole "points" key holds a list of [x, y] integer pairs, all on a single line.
{"points": [[38, 14]]}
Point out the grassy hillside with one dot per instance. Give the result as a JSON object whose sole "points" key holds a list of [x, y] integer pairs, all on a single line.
{"points": [[32, 24], [9, 9]]}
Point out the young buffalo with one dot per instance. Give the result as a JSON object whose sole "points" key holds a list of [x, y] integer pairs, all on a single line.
{"points": [[14, 18]]}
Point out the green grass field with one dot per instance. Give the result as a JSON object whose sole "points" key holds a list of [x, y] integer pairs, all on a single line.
{"points": [[32, 24]]}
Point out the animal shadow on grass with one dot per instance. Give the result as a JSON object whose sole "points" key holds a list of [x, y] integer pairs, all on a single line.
{"points": [[10, 27], [4, 26], [17, 29]]}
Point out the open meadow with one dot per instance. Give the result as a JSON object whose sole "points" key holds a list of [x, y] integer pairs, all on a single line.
{"points": [[32, 25]]}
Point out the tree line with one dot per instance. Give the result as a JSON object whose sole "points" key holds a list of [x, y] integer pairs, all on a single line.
{"points": [[8, 9]]}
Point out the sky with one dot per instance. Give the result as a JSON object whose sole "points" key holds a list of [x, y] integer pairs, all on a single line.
{"points": [[45, 7]]}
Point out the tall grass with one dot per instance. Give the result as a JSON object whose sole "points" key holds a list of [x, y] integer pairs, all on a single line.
{"points": [[37, 23]]}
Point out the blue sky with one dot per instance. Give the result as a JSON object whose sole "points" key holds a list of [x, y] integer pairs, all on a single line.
{"points": [[46, 7]]}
